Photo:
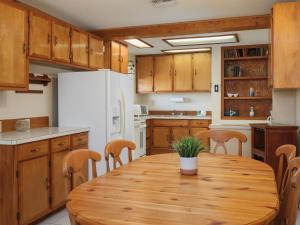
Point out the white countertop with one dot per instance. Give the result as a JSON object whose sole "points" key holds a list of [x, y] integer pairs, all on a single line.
{"points": [[37, 134], [230, 126], [184, 117]]}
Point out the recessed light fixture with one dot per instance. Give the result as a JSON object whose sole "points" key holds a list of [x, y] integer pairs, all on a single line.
{"points": [[187, 50], [138, 43], [220, 39]]}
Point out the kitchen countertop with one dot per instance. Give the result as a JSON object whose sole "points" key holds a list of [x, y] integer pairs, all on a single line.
{"points": [[184, 117], [37, 134]]}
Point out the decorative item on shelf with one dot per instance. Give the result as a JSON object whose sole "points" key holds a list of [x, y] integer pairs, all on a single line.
{"points": [[251, 92], [229, 95], [188, 149], [270, 118], [237, 71], [235, 95], [251, 112], [201, 113], [231, 112]]}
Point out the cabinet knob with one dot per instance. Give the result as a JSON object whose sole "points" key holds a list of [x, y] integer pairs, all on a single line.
{"points": [[55, 40], [49, 38], [34, 150]]}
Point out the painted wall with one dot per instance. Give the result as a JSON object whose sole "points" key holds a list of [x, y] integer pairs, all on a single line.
{"points": [[14, 105]]}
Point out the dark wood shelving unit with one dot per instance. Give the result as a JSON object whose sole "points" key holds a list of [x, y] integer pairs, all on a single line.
{"points": [[245, 67]]}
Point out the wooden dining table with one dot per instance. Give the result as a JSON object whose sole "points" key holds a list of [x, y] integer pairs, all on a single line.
{"points": [[227, 190]]}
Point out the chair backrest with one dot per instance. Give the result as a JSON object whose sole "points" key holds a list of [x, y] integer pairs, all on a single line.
{"points": [[221, 137], [114, 149], [285, 153], [73, 163], [290, 193]]}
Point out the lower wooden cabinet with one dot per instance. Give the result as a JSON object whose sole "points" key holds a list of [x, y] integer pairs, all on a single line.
{"points": [[161, 134]]}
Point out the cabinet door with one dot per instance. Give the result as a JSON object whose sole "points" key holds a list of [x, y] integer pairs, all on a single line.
{"points": [[124, 59], [96, 53], [163, 70], [80, 48], [39, 36], [194, 131], [115, 56], [58, 188], [33, 188], [202, 71], [183, 72], [144, 74], [61, 41], [160, 137], [178, 133], [286, 45], [13, 43]]}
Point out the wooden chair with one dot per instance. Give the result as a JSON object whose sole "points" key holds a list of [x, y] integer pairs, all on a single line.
{"points": [[72, 170], [285, 153], [114, 149], [221, 137], [290, 193]]}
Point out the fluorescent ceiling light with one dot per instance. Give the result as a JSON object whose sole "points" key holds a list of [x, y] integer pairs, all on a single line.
{"points": [[187, 50], [138, 43], [231, 38]]}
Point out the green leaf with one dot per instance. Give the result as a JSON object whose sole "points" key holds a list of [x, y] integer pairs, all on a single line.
{"points": [[188, 147]]}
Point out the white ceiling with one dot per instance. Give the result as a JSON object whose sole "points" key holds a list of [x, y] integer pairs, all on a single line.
{"points": [[96, 14]]}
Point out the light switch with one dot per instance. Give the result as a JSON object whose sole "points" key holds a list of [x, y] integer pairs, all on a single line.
{"points": [[216, 87]]}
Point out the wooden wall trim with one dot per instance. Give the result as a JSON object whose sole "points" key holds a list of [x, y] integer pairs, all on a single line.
{"points": [[186, 28]]}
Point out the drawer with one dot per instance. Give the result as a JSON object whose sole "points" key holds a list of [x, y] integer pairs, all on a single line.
{"points": [[200, 123], [33, 150], [170, 123], [79, 140], [60, 144]]}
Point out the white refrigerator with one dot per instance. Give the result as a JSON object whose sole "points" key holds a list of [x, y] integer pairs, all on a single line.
{"points": [[101, 100]]}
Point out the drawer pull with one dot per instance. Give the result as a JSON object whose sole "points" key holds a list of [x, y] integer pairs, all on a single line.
{"points": [[61, 144], [34, 150], [79, 139]]}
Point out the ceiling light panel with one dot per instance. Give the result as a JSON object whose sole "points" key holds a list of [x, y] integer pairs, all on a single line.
{"points": [[138, 43], [221, 39], [187, 50]]}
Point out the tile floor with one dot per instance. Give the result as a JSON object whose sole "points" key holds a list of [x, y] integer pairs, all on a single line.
{"points": [[62, 218]]}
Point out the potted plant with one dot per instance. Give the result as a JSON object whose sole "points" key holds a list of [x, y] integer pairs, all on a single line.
{"points": [[188, 149]]}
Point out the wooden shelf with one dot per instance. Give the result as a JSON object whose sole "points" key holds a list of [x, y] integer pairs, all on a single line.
{"points": [[44, 79], [247, 78], [30, 92], [247, 98], [247, 58]]}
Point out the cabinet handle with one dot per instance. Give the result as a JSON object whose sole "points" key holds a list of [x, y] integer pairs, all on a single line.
{"points": [[170, 72], [47, 183], [87, 50], [34, 150], [79, 139], [195, 72], [24, 48], [55, 40], [175, 73], [49, 38], [61, 144]]}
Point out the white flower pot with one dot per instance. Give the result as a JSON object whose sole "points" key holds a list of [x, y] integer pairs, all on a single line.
{"points": [[188, 166]]}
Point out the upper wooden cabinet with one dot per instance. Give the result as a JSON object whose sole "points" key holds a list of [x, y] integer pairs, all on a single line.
{"points": [[144, 74], [202, 71], [79, 47], [61, 43], [13, 47], [117, 57], [183, 72], [96, 52], [286, 45], [39, 35], [163, 79]]}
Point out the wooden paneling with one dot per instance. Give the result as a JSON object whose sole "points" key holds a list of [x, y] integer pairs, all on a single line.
{"points": [[183, 72], [160, 137], [178, 133], [163, 70], [58, 188], [286, 45], [13, 45], [144, 74], [170, 123], [33, 150], [35, 122], [96, 52], [79, 47], [39, 35], [60, 144], [202, 71], [190, 27], [61, 42], [33, 189], [123, 59]]}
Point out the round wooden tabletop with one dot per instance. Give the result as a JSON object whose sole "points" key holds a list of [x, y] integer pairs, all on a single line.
{"points": [[227, 190]]}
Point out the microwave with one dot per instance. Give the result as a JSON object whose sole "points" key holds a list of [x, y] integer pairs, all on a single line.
{"points": [[141, 110]]}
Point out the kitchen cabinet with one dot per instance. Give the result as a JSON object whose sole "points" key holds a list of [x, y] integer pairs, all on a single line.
{"points": [[178, 133], [61, 42], [13, 47], [202, 71], [118, 57], [161, 137], [183, 72], [286, 45], [144, 74], [194, 131], [79, 47], [163, 79], [96, 52], [39, 35]]}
